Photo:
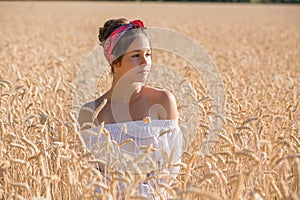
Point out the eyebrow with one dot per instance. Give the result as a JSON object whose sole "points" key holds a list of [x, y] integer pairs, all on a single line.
{"points": [[138, 50]]}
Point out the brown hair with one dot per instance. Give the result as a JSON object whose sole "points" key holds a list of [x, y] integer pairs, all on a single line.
{"points": [[109, 27], [123, 44]]}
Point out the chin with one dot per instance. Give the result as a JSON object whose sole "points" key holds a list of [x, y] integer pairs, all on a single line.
{"points": [[141, 80], [141, 77]]}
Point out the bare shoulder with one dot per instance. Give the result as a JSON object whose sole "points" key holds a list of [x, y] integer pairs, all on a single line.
{"points": [[164, 98], [159, 94], [87, 111]]}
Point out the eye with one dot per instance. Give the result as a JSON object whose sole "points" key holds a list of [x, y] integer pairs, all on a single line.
{"points": [[136, 55], [148, 54]]}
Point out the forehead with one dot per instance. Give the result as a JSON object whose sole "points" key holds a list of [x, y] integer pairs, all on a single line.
{"points": [[141, 42]]}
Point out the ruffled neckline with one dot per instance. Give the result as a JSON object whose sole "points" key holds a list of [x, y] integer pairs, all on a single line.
{"points": [[143, 123], [139, 128]]}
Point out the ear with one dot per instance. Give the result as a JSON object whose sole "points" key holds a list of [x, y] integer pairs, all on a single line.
{"points": [[116, 65]]}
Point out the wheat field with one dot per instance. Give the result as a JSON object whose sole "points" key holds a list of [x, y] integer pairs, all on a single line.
{"points": [[255, 48]]}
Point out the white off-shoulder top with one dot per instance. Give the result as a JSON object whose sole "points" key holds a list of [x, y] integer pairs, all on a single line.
{"points": [[137, 146], [145, 146]]}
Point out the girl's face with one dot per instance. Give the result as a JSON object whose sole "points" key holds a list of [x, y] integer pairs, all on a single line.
{"points": [[135, 64]]}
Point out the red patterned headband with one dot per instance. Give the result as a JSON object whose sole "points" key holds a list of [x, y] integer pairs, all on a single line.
{"points": [[116, 35]]}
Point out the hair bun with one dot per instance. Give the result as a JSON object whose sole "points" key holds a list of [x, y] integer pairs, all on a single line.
{"points": [[109, 27]]}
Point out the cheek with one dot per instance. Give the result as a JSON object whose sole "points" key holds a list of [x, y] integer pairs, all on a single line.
{"points": [[127, 62], [129, 65]]}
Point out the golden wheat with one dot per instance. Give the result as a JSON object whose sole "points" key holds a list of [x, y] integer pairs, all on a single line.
{"points": [[256, 152]]}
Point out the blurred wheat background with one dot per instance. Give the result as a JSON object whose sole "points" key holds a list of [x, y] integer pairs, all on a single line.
{"points": [[256, 49]]}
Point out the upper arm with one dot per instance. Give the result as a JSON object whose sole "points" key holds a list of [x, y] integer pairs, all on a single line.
{"points": [[85, 114], [168, 101]]}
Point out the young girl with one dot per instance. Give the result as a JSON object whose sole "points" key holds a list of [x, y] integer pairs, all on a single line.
{"points": [[139, 118]]}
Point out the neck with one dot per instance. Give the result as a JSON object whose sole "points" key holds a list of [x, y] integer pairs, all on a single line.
{"points": [[124, 92]]}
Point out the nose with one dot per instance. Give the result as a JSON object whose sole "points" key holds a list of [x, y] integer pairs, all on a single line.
{"points": [[145, 60]]}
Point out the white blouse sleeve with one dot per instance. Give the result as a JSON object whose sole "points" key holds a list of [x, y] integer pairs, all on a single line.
{"points": [[170, 148]]}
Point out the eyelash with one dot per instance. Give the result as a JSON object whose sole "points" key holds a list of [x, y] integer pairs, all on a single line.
{"points": [[137, 55]]}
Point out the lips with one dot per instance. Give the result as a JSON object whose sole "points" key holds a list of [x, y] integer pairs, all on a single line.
{"points": [[144, 71]]}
